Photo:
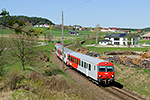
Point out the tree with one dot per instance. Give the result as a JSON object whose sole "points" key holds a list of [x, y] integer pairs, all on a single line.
{"points": [[22, 46], [129, 36], [97, 31], [22, 42]]}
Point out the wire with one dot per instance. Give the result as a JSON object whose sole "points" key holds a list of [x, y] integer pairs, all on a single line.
{"points": [[58, 17], [77, 6], [71, 9]]}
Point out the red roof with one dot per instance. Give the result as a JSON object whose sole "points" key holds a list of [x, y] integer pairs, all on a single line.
{"points": [[139, 31], [113, 28], [104, 29], [148, 32]]}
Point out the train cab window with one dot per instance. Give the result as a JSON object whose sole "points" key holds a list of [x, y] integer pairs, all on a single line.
{"points": [[89, 67], [84, 64], [102, 69], [64, 55], [68, 57], [79, 62], [110, 68]]}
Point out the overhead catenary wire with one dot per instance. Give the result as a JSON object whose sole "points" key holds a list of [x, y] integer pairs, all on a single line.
{"points": [[71, 9], [77, 5]]}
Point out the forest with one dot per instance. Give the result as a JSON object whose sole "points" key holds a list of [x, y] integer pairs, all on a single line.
{"points": [[33, 20]]}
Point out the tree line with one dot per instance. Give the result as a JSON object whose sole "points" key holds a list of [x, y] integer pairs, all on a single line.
{"points": [[32, 20]]}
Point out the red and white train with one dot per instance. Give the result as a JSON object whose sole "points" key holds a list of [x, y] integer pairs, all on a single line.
{"points": [[95, 69]]}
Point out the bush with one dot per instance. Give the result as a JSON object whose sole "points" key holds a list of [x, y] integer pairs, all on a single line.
{"points": [[12, 79], [52, 71]]}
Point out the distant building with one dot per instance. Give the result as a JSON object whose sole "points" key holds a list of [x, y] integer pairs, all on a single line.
{"points": [[73, 33], [146, 36], [139, 31], [112, 29], [104, 30], [119, 39], [91, 29], [82, 28], [105, 42]]}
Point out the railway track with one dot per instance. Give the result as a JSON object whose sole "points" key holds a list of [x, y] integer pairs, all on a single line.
{"points": [[124, 95], [116, 92]]}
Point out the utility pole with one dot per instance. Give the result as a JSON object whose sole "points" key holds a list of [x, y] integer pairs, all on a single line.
{"points": [[50, 41], [62, 43]]}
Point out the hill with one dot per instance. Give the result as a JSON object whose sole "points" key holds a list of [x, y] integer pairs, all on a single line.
{"points": [[32, 20]]}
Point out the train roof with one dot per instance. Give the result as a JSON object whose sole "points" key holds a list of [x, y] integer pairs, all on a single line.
{"points": [[80, 55]]}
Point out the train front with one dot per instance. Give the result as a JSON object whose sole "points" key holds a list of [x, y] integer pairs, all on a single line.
{"points": [[105, 72]]}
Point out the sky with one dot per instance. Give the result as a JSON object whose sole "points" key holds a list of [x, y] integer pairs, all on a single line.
{"points": [[87, 13]]}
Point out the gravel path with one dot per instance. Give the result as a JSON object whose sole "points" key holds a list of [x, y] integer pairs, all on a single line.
{"points": [[84, 83]]}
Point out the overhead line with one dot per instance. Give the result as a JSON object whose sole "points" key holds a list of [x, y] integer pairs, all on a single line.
{"points": [[77, 6]]}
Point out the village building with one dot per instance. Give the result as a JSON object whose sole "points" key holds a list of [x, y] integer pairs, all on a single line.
{"points": [[104, 30], [112, 29], [146, 36], [119, 39]]}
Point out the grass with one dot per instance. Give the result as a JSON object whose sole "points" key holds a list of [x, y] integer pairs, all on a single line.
{"points": [[134, 79], [101, 50], [5, 31]]}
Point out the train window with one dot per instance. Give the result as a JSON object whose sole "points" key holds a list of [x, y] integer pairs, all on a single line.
{"points": [[94, 67], [89, 67], [84, 64], [64, 55], [68, 57], [77, 61], [73, 59]]}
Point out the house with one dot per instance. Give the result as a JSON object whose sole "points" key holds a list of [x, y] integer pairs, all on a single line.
{"points": [[119, 39], [91, 29], [112, 29], [139, 31], [46, 25], [146, 36], [104, 30], [73, 33], [77, 27], [82, 29], [105, 42]]}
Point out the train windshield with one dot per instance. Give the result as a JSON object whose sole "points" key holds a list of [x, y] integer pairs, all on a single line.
{"points": [[106, 68]]}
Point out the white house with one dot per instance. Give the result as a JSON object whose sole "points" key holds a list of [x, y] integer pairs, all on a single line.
{"points": [[105, 42], [119, 39]]}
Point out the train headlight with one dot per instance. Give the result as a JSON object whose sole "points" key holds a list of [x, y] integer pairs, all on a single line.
{"points": [[112, 75], [100, 76]]}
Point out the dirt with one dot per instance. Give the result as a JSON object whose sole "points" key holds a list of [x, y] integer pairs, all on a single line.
{"points": [[84, 83]]}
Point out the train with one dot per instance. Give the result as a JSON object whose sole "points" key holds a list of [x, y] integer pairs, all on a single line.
{"points": [[97, 70]]}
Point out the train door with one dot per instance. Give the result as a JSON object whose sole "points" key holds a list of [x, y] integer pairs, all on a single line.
{"points": [[65, 57]]}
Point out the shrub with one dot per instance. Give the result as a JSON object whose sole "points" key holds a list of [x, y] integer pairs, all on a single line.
{"points": [[12, 79]]}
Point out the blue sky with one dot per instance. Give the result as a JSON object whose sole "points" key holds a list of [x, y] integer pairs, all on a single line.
{"points": [[87, 13]]}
